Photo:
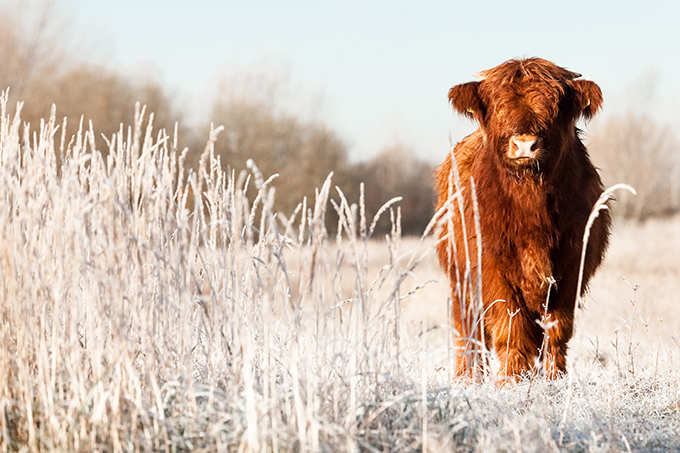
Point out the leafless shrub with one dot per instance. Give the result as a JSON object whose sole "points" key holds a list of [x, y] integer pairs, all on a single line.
{"points": [[303, 154], [396, 171], [102, 96]]}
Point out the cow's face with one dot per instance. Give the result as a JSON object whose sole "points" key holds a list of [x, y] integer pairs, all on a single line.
{"points": [[527, 108]]}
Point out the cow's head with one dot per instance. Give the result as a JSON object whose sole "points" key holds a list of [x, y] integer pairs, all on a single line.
{"points": [[527, 108]]}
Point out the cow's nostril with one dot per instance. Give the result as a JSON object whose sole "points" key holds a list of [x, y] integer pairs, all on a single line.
{"points": [[524, 148]]}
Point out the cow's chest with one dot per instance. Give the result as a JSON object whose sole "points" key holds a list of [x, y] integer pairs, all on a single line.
{"points": [[521, 242]]}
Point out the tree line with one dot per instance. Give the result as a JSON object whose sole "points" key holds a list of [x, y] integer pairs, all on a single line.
{"points": [[40, 70]]}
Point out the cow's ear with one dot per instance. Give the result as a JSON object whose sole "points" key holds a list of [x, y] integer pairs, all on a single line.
{"points": [[587, 98], [465, 100]]}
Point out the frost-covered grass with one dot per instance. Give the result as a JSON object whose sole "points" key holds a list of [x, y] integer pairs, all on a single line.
{"points": [[143, 309]]}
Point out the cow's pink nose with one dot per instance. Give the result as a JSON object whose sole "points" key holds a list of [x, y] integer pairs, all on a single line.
{"points": [[523, 148]]}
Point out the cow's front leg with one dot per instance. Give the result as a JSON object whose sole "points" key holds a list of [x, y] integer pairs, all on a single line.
{"points": [[558, 328], [517, 339], [469, 361]]}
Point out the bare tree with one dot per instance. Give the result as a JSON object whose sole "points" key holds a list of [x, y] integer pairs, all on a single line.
{"points": [[302, 153], [40, 70], [105, 97], [30, 46]]}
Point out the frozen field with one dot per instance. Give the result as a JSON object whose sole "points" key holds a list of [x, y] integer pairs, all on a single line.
{"points": [[143, 310]]}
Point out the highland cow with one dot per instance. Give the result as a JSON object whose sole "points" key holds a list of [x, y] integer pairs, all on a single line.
{"points": [[535, 186]]}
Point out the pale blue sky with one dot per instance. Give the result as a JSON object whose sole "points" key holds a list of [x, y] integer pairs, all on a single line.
{"points": [[383, 68]]}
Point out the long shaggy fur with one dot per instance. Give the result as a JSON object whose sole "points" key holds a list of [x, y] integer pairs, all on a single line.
{"points": [[532, 211]]}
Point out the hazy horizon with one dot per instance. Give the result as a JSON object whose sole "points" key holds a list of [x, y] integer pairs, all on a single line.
{"points": [[379, 72]]}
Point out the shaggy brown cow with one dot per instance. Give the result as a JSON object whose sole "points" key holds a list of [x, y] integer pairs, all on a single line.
{"points": [[535, 187]]}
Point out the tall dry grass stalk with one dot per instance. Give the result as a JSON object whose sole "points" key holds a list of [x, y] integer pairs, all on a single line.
{"points": [[470, 348], [145, 308]]}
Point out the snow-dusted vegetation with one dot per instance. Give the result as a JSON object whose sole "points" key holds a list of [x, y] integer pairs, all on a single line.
{"points": [[146, 307]]}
